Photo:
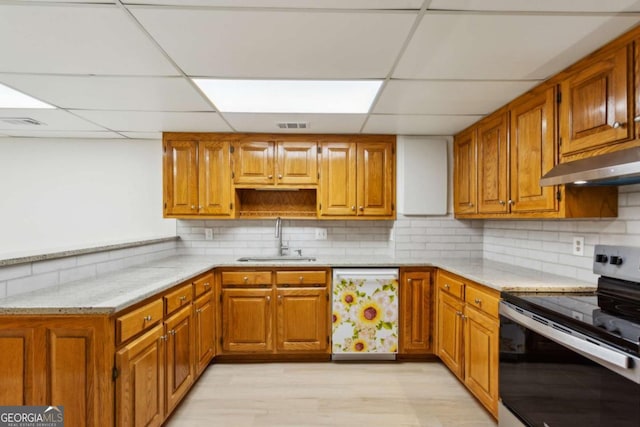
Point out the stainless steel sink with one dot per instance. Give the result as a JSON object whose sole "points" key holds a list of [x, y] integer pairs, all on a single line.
{"points": [[276, 259]]}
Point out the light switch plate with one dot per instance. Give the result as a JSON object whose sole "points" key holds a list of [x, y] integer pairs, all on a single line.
{"points": [[208, 234]]}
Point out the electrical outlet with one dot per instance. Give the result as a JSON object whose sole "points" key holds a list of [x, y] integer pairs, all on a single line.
{"points": [[578, 246], [576, 315], [208, 234], [321, 234]]}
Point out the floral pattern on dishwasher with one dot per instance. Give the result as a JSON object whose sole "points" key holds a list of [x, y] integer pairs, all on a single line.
{"points": [[365, 317]]}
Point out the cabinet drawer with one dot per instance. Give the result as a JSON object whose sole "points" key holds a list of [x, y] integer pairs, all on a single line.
{"points": [[143, 318], [450, 284], [178, 298], [301, 278], [202, 285], [246, 278], [483, 300]]}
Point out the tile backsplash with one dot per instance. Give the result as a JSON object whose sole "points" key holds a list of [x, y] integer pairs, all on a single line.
{"points": [[547, 245]]}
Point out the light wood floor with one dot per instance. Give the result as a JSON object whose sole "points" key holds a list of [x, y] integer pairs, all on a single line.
{"points": [[330, 394]]}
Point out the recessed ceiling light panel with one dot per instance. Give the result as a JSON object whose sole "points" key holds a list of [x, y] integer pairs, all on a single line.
{"points": [[290, 96], [11, 98]]}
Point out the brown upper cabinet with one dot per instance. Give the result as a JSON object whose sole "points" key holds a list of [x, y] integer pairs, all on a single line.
{"points": [[357, 179], [197, 175], [595, 107], [464, 172], [259, 163], [492, 146]]}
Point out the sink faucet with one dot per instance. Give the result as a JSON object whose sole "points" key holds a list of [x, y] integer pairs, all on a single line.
{"points": [[281, 249]]}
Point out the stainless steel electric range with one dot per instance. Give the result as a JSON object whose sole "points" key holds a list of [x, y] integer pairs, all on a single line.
{"points": [[574, 359]]}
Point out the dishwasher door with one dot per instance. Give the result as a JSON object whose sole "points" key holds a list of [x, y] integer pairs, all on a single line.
{"points": [[365, 314]]}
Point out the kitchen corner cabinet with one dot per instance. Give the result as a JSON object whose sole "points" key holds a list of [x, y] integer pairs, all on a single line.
{"points": [[275, 162], [415, 316], [357, 179], [272, 312], [465, 172], [468, 335], [596, 104], [59, 360], [197, 176]]}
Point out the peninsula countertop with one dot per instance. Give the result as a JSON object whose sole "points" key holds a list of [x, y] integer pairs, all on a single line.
{"points": [[109, 293]]}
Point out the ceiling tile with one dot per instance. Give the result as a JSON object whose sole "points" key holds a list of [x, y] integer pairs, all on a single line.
{"points": [[53, 120], [68, 39], [504, 46], [111, 93], [64, 134], [298, 4], [448, 97], [279, 44], [539, 5], [318, 123], [156, 121], [418, 125]]}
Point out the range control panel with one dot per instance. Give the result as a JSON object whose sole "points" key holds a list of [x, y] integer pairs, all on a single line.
{"points": [[620, 262]]}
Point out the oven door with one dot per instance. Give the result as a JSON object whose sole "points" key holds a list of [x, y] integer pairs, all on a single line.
{"points": [[552, 377]]}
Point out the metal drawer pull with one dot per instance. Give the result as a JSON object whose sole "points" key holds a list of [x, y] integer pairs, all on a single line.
{"points": [[478, 301], [301, 279], [172, 332], [636, 119], [409, 280], [183, 298], [268, 299], [147, 318], [206, 285], [447, 286], [617, 125], [246, 279]]}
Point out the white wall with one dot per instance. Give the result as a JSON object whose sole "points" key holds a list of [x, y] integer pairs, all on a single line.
{"points": [[62, 194]]}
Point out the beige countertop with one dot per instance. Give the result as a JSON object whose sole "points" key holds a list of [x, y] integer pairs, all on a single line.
{"points": [[109, 293]]}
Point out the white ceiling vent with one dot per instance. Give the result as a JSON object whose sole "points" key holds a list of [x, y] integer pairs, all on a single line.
{"points": [[293, 125], [22, 121]]}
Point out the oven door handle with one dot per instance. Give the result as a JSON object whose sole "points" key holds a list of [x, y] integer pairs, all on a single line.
{"points": [[587, 348]]}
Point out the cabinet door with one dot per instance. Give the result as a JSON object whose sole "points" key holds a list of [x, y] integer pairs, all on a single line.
{"points": [[481, 357], [297, 163], [247, 320], [179, 331], [338, 179], [376, 179], [215, 178], [181, 177], [415, 312], [450, 333], [205, 332], [464, 173], [594, 110], [493, 181], [140, 383], [253, 163], [17, 367], [302, 319], [533, 152]]}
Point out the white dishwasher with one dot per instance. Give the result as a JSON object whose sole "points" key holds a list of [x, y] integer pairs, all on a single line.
{"points": [[365, 314]]}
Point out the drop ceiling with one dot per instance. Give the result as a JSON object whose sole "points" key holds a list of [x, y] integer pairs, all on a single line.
{"points": [[123, 69]]}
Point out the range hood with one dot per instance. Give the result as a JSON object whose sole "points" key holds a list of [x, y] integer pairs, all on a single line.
{"points": [[617, 168]]}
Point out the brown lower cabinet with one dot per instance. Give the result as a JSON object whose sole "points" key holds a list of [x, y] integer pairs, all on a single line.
{"points": [[415, 314], [468, 335], [270, 312]]}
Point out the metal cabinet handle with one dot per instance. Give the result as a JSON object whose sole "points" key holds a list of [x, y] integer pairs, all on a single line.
{"points": [[470, 204], [246, 279], [458, 313], [198, 310], [268, 298], [206, 285], [270, 177], [147, 318], [163, 338], [361, 208], [447, 286], [409, 280], [353, 208], [172, 332], [301, 279], [617, 124], [511, 202], [636, 119], [279, 298], [183, 298], [280, 176], [502, 202], [478, 301], [193, 206], [200, 207]]}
